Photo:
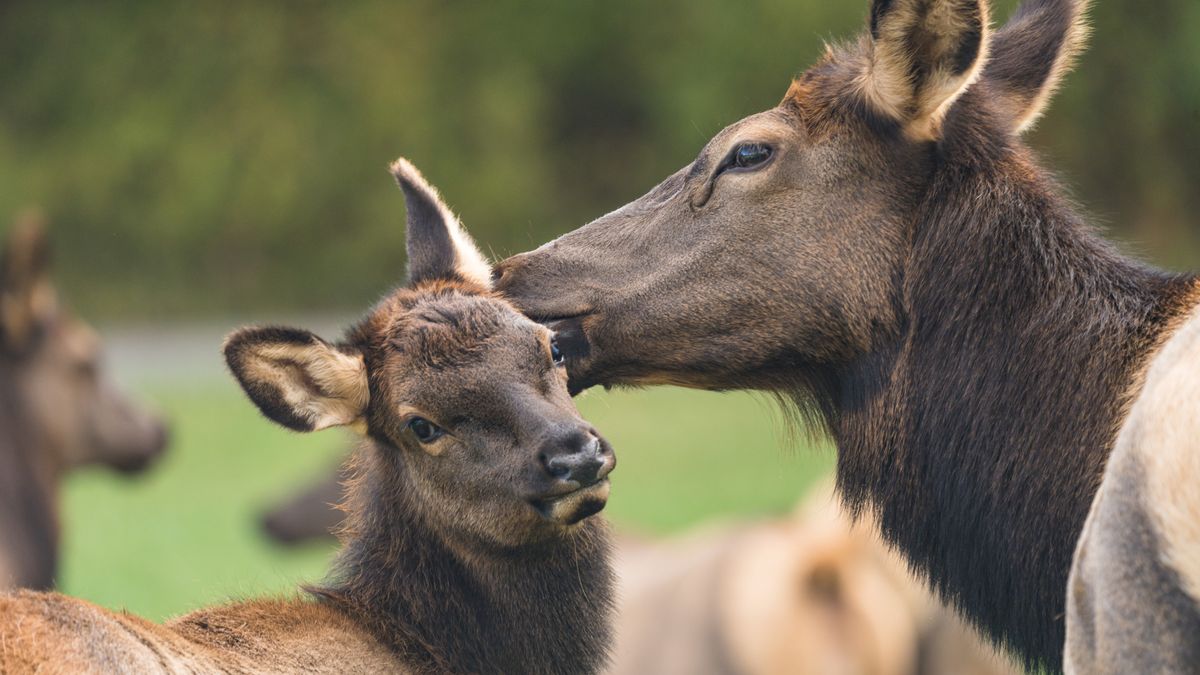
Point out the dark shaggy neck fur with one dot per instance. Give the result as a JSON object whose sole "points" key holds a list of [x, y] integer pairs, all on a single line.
{"points": [[28, 521], [452, 606], [981, 432]]}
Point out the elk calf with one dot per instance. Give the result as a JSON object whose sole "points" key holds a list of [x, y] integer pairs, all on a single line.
{"points": [[58, 411], [468, 546]]}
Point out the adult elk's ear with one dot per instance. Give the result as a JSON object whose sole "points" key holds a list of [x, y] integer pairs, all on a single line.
{"points": [[923, 56], [1032, 54], [27, 297], [438, 247], [299, 380]]}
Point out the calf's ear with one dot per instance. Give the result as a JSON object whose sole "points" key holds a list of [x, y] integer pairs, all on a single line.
{"points": [[438, 246], [299, 380]]}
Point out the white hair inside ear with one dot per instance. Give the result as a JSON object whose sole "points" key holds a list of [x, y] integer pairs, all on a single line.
{"points": [[923, 55]]}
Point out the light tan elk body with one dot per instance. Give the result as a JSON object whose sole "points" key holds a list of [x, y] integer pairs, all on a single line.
{"points": [[58, 410], [811, 594], [884, 251], [1133, 603], [469, 546]]}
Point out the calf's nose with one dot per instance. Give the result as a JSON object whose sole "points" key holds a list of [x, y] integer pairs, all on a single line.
{"points": [[578, 458]]}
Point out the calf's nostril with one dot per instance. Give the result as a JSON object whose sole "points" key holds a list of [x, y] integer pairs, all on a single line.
{"points": [[587, 471], [581, 467], [557, 466]]}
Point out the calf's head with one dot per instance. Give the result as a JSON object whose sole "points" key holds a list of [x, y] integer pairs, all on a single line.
{"points": [[784, 241], [464, 397], [76, 416]]}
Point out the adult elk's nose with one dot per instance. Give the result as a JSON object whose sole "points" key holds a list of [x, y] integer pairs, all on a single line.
{"points": [[505, 271], [577, 456], [150, 447]]}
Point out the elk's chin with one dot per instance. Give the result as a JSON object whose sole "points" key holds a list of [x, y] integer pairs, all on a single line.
{"points": [[574, 507], [133, 464]]}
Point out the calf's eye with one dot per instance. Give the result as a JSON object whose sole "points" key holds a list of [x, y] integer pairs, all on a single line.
{"points": [[424, 430], [556, 353]]}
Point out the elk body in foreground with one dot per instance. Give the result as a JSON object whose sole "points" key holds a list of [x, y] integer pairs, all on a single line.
{"points": [[883, 250], [58, 410], [469, 546]]}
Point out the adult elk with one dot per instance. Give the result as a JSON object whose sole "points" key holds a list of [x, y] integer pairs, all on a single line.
{"points": [[469, 547], [58, 410], [883, 250]]}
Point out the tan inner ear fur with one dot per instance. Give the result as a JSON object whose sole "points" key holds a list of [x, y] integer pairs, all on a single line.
{"points": [[468, 261], [886, 83], [323, 385]]}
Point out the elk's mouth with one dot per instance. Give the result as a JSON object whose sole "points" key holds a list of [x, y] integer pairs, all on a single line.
{"points": [[574, 506]]}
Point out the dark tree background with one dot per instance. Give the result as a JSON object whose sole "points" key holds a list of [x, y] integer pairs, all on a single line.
{"points": [[204, 158]]}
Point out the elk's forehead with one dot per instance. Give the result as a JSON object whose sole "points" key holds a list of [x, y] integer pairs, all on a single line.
{"points": [[454, 330]]}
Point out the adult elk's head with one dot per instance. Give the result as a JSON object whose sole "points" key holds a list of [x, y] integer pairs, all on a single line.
{"points": [[784, 242], [52, 365]]}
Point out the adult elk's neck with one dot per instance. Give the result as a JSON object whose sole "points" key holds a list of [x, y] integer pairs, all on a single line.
{"points": [[980, 435], [445, 606]]}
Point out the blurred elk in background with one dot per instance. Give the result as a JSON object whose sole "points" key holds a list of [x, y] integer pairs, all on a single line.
{"points": [[310, 513], [58, 410], [808, 594]]}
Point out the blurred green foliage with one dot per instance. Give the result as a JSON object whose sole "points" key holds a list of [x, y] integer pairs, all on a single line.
{"points": [[200, 158]]}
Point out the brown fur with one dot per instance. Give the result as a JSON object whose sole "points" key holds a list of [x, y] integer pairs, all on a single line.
{"points": [[50, 633], [470, 551], [930, 299], [58, 410]]}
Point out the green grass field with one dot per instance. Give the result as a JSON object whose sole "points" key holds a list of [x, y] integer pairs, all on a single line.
{"points": [[186, 534]]}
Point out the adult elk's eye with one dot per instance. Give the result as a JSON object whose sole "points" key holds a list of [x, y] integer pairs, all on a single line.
{"points": [[424, 430], [750, 155], [556, 353]]}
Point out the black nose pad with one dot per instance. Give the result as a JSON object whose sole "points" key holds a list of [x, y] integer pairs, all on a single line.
{"points": [[579, 460]]}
